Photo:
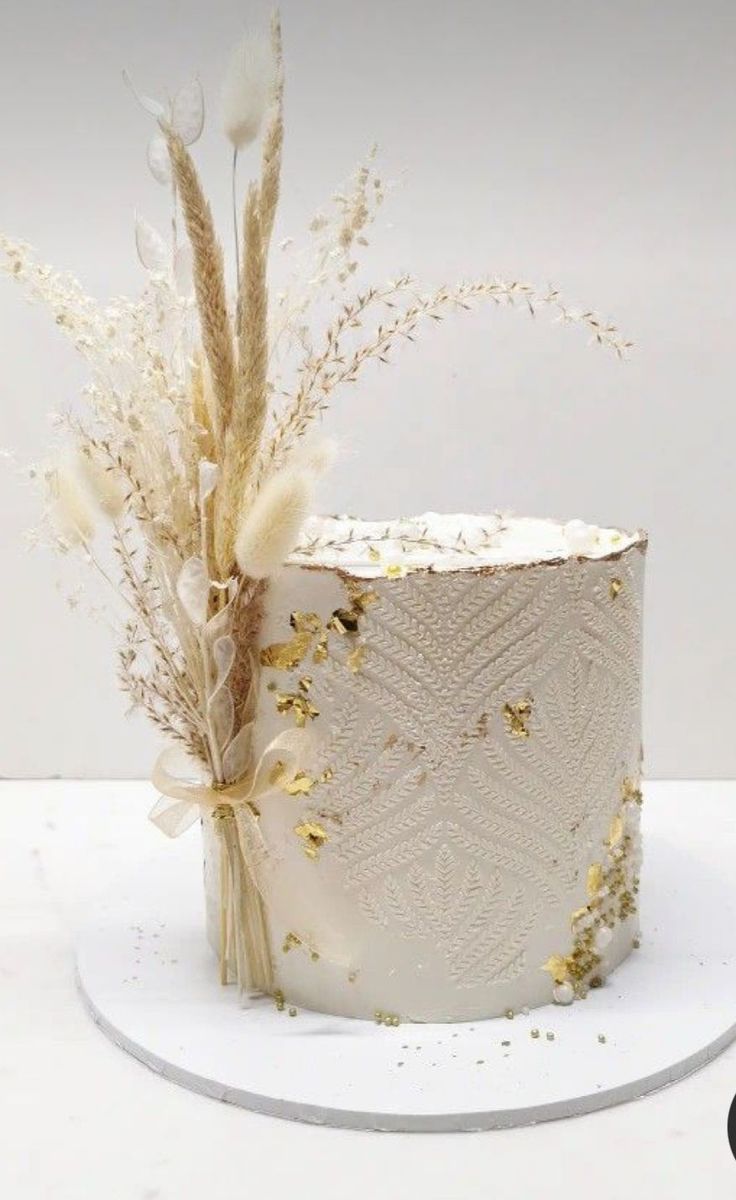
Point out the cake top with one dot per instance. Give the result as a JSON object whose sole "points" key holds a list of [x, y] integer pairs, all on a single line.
{"points": [[451, 542]]}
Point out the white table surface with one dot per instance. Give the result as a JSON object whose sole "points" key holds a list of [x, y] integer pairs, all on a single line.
{"points": [[80, 1120]]}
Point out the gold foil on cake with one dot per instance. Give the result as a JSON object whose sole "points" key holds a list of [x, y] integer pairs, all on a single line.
{"points": [[615, 587], [314, 837], [298, 704], [284, 656], [343, 620], [516, 717], [354, 660], [558, 967], [594, 880]]}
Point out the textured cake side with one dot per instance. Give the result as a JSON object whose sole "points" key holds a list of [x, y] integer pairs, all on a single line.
{"points": [[463, 839]]}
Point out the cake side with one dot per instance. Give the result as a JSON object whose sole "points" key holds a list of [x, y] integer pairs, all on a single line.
{"points": [[462, 839]]}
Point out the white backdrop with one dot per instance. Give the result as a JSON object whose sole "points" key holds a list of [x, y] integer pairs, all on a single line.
{"points": [[584, 143]]}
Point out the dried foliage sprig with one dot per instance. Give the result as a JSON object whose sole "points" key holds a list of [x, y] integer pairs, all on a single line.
{"points": [[204, 493]]}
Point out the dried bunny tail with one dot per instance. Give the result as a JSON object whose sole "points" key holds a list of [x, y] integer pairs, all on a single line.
{"points": [[209, 279], [270, 528], [317, 455], [71, 508], [246, 90], [274, 138], [105, 485]]}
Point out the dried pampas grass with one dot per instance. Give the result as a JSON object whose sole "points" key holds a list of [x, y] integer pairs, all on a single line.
{"points": [[270, 528]]}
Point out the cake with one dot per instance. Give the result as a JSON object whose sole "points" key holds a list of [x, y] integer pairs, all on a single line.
{"points": [[462, 840], [413, 745]]}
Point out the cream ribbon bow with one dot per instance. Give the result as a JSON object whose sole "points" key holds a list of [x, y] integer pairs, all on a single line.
{"points": [[189, 792]]}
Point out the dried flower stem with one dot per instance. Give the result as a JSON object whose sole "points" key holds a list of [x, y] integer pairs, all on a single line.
{"points": [[209, 279]]}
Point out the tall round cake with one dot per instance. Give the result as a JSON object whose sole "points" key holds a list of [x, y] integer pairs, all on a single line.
{"points": [[461, 839]]}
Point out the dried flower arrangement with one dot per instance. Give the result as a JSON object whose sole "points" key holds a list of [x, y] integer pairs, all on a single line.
{"points": [[204, 490]]}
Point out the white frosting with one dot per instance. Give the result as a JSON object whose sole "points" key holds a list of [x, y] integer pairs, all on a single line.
{"points": [[449, 542], [466, 748]]}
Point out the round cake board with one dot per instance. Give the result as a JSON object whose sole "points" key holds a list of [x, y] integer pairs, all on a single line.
{"points": [[151, 983]]}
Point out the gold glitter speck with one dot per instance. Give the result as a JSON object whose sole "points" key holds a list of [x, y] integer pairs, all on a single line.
{"points": [[343, 620], [373, 554], [614, 588], [290, 941], [299, 705]]}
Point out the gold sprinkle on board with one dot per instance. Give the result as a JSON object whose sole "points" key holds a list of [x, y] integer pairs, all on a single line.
{"points": [[314, 837], [615, 587], [516, 717]]}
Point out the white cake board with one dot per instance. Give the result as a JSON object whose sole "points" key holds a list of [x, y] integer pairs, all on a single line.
{"points": [[151, 984]]}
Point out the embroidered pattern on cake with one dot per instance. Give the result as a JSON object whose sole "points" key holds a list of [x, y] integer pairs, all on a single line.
{"points": [[451, 834]]}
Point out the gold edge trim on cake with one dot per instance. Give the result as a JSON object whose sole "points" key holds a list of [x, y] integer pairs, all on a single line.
{"points": [[639, 543]]}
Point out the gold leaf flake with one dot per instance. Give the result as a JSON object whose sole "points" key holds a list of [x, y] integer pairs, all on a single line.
{"points": [[614, 588], [363, 600], [630, 790], [305, 684], [354, 660], [327, 775], [578, 916], [284, 656], [616, 832], [306, 622], [314, 837], [290, 941], [320, 650], [558, 967], [594, 880], [394, 571], [343, 620], [374, 554], [299, 705], [300, 784], [516, 717]]}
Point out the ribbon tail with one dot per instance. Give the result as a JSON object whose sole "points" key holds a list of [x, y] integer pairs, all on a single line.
{"points": [[173, 817], [244, 937]]}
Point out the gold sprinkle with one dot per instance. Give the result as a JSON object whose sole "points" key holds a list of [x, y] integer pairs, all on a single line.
{"points": [[305, 684], [535, 1033], [594, 880], [355, 659], [614, 588], [290, 941], [516, 717], [394, 571], [509, 1014], [373, 554], [300, 785], [284, 656], [279, 999], [630, 790], [320, 650], [292, 1012], [327, 775], [314, 836], [558, 967]]}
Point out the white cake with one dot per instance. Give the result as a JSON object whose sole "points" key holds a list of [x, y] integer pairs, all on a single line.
{"points": [[462, 838]]}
